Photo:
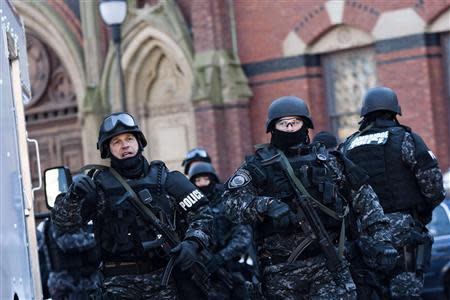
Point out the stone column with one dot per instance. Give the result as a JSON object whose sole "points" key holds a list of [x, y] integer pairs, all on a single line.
{"points": [[93, 108], [222, 94]]}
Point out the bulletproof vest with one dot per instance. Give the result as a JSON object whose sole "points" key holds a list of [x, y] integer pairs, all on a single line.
{"points": [[309, 167], [124, 231], [378, 152]]}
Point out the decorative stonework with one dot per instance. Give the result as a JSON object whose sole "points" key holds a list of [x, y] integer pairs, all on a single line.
{"points": [[348, 75], [39, 68], [157, 65], [340, 38], [220, 77], [52, 114], [61, 89], [53, 95]]}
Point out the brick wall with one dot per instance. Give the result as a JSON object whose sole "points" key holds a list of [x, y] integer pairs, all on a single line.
{"points": [[224, 131], [412, 65]]}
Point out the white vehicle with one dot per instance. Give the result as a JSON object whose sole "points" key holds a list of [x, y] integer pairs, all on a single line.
{"points": [[19, 265]]}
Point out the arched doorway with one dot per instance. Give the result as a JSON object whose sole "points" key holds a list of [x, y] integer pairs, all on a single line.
{"points": [[51, 115], [159, 79]]}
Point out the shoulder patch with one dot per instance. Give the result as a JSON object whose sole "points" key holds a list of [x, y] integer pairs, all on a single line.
{"points": [[241, 178], [370, 139]]}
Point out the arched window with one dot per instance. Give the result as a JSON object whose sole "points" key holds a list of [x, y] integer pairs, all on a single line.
{"points": [[348, 74]]}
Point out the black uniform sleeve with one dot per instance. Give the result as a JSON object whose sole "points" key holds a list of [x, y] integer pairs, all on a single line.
{"points": [[242, 203], [424, 164], [189, 199]]}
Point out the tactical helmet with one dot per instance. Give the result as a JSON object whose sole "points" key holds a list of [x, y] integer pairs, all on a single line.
{"points": [[196, 154], [115, 124], [326, 138], [380, 98], [288, 106], [203, 168]]}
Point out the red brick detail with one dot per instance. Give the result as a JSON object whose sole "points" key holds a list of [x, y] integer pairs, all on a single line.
{"points": [[440, 109], [313, 22], [419, 85], [224, 131], [211, 25], [262, 26], [361, 14], [430, 11], [69, 17]]}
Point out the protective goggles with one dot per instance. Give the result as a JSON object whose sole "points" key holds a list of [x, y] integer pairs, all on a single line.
{"points": [[111, 122], [196, 153]]}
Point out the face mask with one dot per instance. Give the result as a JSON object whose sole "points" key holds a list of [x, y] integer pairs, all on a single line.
{"points": [[207, 190], [131, 167], [284, 140]]}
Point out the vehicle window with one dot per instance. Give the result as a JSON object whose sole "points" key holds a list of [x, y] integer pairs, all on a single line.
{"points": [[440, 224]]}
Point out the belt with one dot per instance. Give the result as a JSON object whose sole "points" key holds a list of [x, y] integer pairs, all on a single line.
{"points": [[267, 258], [114, 268]]}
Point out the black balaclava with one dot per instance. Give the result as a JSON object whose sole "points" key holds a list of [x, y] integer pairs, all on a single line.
{"points": [[284, 140], [209, 190], [131, 167]]}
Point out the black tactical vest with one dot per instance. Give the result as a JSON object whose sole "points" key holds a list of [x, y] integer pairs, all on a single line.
{"points": [[122, 231], [313, 174], [378, 152]]}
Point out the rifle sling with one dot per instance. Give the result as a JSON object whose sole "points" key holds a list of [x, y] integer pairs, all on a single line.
{"points": [[298, 184], [142, 209], [299, 249]]}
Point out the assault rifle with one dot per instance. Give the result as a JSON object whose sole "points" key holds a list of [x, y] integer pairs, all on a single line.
{"points": [[200, 274], [308, 218]]}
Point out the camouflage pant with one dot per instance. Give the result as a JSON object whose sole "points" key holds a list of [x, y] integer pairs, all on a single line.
{"points": [[307, 279], [63, 285], [406, 285], [147, 286]]}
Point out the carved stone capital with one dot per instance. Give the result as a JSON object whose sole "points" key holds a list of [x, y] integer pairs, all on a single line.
{"points": [[219, 77]]}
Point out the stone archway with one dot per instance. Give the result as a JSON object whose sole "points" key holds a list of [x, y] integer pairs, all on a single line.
{"points": [[51, 115], [159, 79]]}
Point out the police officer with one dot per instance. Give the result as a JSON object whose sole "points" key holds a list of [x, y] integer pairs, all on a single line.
{"points": [[296, 194], [193, 156], [406, 177], [326, 138], [129, 248], [234, 244]]}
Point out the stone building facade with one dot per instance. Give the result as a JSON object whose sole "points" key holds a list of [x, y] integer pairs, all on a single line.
{"points": [[203, 72]]}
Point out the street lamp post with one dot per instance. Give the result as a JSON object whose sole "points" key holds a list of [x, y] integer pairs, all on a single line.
{"points": [[113, 13]]}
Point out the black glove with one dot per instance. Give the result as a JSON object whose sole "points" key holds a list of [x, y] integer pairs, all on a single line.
{"points": [[378, 255], [215, 263], [280, 213], [387, 258], [187, 254], [82, 185]]}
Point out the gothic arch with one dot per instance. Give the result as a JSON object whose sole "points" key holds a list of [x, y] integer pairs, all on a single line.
{"points": [[53, 30], [339, 38], [157, 63]]}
